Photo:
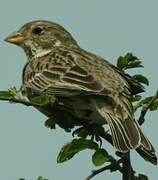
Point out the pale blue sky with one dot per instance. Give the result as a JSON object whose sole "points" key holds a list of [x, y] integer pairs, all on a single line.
{"points": [[108, 28]]}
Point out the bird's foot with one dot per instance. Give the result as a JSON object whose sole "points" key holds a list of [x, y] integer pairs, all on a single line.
{"points": [[92, 130]]}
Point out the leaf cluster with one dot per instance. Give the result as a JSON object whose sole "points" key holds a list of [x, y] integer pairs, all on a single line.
{"points": [[39, 178]]}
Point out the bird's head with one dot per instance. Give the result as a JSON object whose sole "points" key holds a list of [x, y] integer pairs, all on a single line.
{"points": [[37, 38]]}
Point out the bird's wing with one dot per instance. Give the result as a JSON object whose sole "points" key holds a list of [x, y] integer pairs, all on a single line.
{"points": [[135, 86], [59, 74], [65, 72]]}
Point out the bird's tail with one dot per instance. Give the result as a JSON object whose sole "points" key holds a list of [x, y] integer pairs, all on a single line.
{"points": [[146, 150], [126, 133], [147, 155]]}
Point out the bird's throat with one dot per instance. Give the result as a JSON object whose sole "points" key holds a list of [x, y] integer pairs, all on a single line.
{"points": [[41, 53], [33, 53]]}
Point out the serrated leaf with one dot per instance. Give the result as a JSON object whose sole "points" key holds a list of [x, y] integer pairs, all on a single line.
{"points": [[142, 177], [134, 64], [6, 94], [142, 79], [130, 57], [41, 178], [122, 62], [128, 61], [153, 107], [136, 98], [43, 100], [74, 147], [143, 102], [13, 91], [100, 157], [50, 123]]}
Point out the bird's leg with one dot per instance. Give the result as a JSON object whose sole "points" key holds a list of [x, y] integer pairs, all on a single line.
{"points": [[92, 130]]}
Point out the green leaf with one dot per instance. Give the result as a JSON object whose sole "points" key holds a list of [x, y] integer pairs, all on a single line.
{"points": [[75, 146], [13, 91], [142, 79], [130, 57], [145, 101], [41, 178], [6, 94], [122, 62], [128, 61], [154, 107], [100, 157], [43, 100], [134, 64], [50, 123], [136, 98], [142, 177]]}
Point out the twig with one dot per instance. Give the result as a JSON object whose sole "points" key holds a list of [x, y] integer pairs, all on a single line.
{"points": [[113, 167], [20, 101], [146, 108], [95, 172]]}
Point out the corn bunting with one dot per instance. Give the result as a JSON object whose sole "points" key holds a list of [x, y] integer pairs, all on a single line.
{"points": [[90, 86]]}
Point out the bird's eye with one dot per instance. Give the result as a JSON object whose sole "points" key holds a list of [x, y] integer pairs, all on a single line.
{"points": [[37, 30]]}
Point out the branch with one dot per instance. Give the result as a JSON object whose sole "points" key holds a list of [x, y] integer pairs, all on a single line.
{"points": [[114, 166], [128, 172], [20, 101], [146, 108], [109, 167], [95, 172]]}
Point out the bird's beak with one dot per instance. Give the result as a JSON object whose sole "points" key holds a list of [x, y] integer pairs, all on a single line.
{"points": [[15, 38]]}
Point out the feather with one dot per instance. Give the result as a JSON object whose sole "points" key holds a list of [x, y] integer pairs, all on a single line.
{"points": [[125, 133]]}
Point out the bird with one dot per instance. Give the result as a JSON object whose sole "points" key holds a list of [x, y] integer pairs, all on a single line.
{"points": [[91, 87]]}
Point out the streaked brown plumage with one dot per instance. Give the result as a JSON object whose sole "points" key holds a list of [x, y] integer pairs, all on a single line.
{"points": [[58, 66]]}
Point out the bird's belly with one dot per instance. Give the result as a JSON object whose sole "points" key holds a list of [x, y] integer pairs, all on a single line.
{"points": [[82, 108]]}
